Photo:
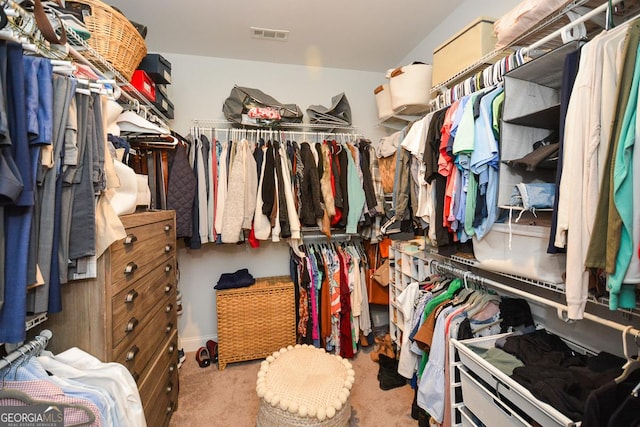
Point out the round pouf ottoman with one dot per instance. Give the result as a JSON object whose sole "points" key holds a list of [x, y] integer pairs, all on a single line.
{"points": [[304, 386]]}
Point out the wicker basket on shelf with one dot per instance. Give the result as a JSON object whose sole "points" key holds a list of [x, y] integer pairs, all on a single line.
{"points": [[112, 35]]}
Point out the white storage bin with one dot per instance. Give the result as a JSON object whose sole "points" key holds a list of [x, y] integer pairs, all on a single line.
{"points": [[466, 418], [410, 88], [509, 391], [487, 407], [383, 101], [520, 250]]}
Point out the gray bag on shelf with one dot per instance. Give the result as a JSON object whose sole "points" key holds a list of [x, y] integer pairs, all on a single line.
{"points": [[338, 114], [242, 99]]}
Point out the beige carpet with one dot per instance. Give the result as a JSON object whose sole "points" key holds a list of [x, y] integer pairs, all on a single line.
{"points": [[209, 397]]}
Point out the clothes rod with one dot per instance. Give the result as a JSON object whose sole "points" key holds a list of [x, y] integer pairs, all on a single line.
{"points": [[560, 308], [39, 342], [602, 8], [314, 235], [288, 127], [291, 134]]}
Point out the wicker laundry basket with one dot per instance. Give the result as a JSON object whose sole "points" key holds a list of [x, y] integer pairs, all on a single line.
{"points": [[113, 37], [255, 321]]}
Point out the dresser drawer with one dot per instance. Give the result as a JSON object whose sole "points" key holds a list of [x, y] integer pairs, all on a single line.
{"points": [[163, 408], [163, 374], [155, 248], [133, 306], [136, 352], [132, 271], [159, 389], [140, 233]]}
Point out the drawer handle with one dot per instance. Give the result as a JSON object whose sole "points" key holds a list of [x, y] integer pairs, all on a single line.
{"points": [[171, 348], [172, 368], [167, 289], [168, 308], [169, 327], [130, 268], [501, 406], [170, 407], [167, 268], [167, 227], [132, 353], [169, 387], [130, 239], [131, 295], [136, 376], [168, 248], [133, 322]]}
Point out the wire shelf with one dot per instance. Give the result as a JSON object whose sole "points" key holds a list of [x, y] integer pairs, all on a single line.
{"points": [[465, 261], [35, 320], [226, 124], [80, 50]]}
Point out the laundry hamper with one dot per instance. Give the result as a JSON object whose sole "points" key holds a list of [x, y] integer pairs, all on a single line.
{"points": [[304, 386], [255, 321], [410, 88], [383, 101]]}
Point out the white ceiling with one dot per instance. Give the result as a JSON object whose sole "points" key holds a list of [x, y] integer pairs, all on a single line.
{"points": [[353, 34]]}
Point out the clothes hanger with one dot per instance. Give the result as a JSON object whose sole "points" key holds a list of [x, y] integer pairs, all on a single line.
{"points": [[480, 303], [154, 141], [441, 285], [11, 393], [631, 364], [462, 297], [25, 398]]}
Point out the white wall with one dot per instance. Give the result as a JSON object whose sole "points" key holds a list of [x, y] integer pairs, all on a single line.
{"points": [[463, 15], [201, 84], [198, 90]]}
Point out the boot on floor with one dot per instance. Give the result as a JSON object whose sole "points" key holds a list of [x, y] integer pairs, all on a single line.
{"points": [[388, 375]]}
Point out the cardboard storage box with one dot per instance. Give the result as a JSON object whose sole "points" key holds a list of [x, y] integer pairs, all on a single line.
{"points": [[463, 49], [143, 83], [157, 67], [163, 104]]}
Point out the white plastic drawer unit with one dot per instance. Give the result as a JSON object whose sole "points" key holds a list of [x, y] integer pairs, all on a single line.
{"points": [[508, 391], [466, 418], [486, 406]]}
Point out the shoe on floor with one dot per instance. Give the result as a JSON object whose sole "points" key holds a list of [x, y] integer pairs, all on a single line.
{"points": [[202, 357], [388, 375], [212, 346], [181, 357], [179, 303]]}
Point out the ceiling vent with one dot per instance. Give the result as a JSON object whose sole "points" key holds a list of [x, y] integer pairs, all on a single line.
{"points": [[268, 34]]}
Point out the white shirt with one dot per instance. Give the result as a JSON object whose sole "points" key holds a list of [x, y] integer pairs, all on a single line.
{"points": [[408, 359], [580, 183], [112, 377]]}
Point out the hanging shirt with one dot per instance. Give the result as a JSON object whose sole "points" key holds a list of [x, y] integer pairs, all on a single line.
{"points": [[431, 388], [406, 300], [623, 296], [484, 164]]}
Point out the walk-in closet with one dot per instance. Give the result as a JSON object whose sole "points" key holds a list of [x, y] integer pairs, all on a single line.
{"points": [[354, 214]]}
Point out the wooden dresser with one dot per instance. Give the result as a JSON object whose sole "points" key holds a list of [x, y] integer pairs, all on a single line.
{"points": [[128, 313]]}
